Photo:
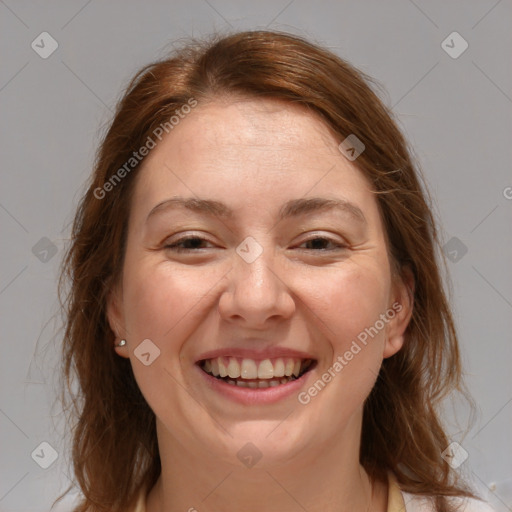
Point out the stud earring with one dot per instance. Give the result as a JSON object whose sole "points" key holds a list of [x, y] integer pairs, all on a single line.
{"points": [[122, 343]]}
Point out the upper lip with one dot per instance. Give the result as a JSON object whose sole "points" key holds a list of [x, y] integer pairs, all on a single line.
{"points": [[256, 354]]}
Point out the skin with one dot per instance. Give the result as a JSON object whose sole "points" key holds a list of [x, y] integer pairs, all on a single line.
{"points": [[255, 155]]}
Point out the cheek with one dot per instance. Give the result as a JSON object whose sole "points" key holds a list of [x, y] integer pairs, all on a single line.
{"points": [[165, 307], [351, 297], [348, 300], [160, 301], [347, 303]]}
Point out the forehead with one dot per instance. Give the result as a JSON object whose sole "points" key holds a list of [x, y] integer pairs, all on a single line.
{"points": [[264, 130], [263, 123], [244, 150]]}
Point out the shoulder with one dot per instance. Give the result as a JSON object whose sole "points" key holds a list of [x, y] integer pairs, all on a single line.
{"points": [[415, 503]]}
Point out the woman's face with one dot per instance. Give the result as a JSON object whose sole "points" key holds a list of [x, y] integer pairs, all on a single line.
{"points": [[284, 263]]}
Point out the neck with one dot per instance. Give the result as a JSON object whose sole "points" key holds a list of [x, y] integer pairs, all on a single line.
{"points": [[329, 480]]}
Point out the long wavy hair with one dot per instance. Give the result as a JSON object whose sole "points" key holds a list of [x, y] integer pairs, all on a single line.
{"points": [[114, 445]]}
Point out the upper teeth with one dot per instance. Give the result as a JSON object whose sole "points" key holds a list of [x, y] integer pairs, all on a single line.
{"points": [[251, 369]]}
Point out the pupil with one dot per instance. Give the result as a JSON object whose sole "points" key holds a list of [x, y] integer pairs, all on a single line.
{"points": [[193, 243], [318, 243]]}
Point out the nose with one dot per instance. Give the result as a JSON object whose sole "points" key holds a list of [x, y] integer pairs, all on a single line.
{"points": [[257, 293]]}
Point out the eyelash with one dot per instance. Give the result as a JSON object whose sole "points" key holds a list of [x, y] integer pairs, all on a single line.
{"points": [[175, 245]]}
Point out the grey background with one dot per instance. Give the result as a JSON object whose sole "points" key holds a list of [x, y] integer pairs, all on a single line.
{"points": [[456, 112]]}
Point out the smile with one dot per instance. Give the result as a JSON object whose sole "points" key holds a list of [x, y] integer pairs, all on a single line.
{"points": [[251, 373]]}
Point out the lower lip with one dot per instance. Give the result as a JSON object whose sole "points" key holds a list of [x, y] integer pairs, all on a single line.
{"points": [[249, 396]]}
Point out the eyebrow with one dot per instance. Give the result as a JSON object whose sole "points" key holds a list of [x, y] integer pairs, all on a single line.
{"points": [[292, 208]]}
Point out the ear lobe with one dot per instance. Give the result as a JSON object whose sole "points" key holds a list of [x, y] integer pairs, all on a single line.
{"points": [[115, 318], [403, 305]]}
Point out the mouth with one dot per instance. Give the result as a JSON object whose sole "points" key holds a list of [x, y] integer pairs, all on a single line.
{"points": [[256, 374]]}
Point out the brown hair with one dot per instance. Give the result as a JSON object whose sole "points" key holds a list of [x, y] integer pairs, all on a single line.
{"points": [[114, 449]]}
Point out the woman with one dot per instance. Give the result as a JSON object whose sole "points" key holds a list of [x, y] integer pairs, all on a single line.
{"points": [[256, 316]]}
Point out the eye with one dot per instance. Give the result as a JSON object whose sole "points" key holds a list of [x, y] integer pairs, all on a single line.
{"points": [[187, 244], [194, 243], [321, 243]]}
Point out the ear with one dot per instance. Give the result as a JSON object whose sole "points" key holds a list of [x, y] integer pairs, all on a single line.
{"points": [[115, 317], [402, 303]]}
